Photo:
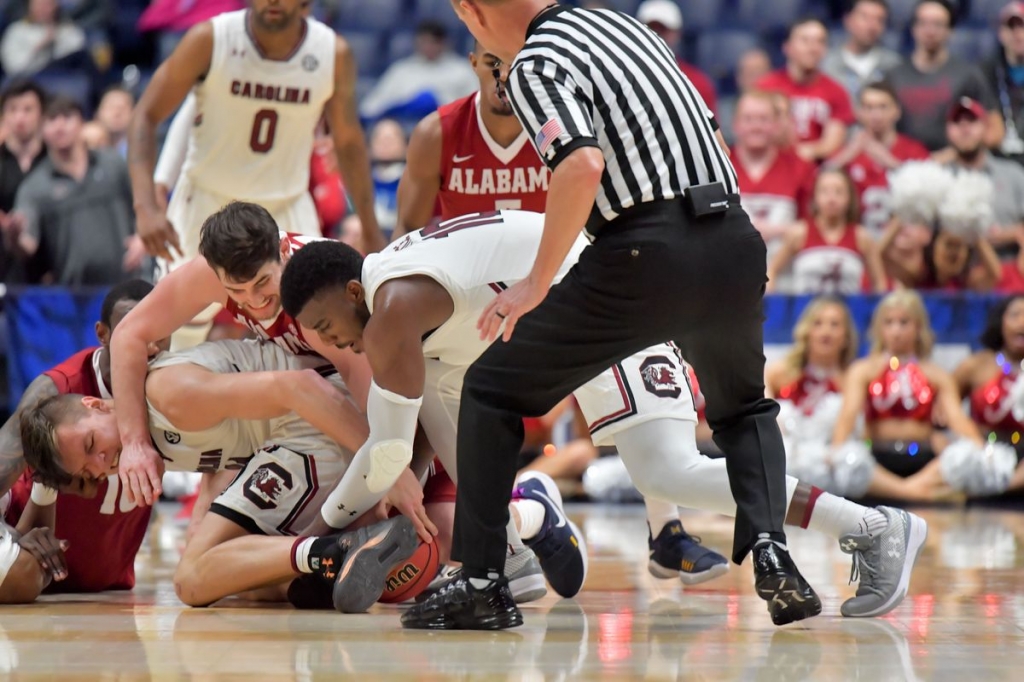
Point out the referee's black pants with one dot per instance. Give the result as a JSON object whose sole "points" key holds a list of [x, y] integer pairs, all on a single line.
{"points": [[654, 274]]}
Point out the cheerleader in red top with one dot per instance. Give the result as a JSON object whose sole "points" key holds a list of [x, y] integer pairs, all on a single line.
{"points": [[896, 389], [808, 383], [830, 252], [993, 380]]}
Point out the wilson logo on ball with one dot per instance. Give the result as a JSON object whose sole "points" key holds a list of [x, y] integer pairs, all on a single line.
{"points": [[402, 577]]}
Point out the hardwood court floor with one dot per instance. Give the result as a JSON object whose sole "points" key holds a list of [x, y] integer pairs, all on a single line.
{"points": [[963, 621]]}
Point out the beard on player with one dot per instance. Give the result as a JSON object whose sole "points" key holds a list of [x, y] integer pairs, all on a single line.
{"points": [[275, 16]]}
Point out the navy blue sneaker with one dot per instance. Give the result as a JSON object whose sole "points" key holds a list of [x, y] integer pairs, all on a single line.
{"points": [[677, 553], [559, 545]]}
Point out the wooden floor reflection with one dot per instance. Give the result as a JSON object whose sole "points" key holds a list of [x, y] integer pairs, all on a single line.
{"points": [[963, 620]]}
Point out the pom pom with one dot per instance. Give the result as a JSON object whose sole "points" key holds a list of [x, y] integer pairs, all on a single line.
{"points": [[917, 188], [966, 210]]}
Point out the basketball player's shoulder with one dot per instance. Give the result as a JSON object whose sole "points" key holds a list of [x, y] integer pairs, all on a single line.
{"points": [[72, 375]]}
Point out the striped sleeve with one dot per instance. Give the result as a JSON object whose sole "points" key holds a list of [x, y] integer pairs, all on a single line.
{"points": [[549, 104]]}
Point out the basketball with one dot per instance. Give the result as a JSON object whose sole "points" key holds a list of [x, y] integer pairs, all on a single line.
{"points": [[412, 576]]}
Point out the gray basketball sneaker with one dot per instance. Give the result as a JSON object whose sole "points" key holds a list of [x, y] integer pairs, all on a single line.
{"points": [[525, 578], [884, 563]]}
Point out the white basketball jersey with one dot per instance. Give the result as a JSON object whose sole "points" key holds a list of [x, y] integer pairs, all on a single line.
{"points": [[474, 257], [229, 444], [252, 138]]}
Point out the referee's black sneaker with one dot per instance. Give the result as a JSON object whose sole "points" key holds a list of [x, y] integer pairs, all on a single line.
{"points": [[460, 606], [778, 581]]}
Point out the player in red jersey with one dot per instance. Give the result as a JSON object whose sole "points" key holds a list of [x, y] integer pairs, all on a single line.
{"points": [[874, 151], [101, 527], [472, 156], [239, 267]]}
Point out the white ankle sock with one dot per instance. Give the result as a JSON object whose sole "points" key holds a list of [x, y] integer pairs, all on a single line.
{"points": [[659, 514], [531, 517], [515, 541], [835, 516]]}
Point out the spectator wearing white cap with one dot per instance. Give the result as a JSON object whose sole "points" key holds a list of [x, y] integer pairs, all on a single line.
{"points": [[666, 19], [1004, 71]]}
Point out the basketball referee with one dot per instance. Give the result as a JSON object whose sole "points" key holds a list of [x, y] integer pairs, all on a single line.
{"points": [[636, 159]]}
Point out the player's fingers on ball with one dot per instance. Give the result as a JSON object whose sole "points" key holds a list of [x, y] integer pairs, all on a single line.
{"points": [[430, 525]]}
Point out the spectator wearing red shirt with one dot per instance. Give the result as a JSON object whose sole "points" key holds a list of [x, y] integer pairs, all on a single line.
{"points": [[821, 107], [775, 183], [874, 150], [664, 18]]}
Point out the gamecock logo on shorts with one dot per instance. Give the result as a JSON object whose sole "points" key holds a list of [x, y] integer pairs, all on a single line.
{"points": [[659, 375], [266, 485]]}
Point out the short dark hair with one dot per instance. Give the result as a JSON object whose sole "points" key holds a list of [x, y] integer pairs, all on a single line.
{"points": [[39, 424], [803, 21], [434, 29], [852, 5], [317, 266], [118, 88], [879, 86], [132, 290], [992, 337], [20, 87], [62, 105], [239, 239], [950, 10]]}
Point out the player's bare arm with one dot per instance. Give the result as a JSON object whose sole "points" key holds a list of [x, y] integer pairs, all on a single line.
{"points": [[166, 91], [194, 398], [12, 457], [350, 145], [178, 298], [353, 368], [571, 194], [404, 310], [421, 180]]}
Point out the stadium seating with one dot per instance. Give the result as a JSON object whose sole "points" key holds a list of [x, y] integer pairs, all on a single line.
{"points": [[366, 48], [359, 15], [719, 50]]}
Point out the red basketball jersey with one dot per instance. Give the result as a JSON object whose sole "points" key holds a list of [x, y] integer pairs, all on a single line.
{"points": [[477, 174], [872, 182], [780, 196], [813, 104], [283, 329], [104, 532]]}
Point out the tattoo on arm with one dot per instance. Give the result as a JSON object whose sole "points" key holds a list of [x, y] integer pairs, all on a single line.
{"points": [[12, 458]]}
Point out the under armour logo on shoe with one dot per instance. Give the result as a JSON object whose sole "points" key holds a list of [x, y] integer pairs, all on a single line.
{"points": [[895, 551], [848, 545]]}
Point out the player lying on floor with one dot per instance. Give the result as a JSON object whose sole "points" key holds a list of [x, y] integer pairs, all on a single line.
{"points": [[101, 530], [256, 409], [413, 310], [242, 252]]}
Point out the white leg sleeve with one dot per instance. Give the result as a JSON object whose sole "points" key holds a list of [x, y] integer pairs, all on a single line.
{"points": [[662, 458], [378, 464]]}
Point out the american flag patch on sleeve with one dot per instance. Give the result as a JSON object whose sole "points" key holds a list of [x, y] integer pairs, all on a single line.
{"points": [[549, 132]]}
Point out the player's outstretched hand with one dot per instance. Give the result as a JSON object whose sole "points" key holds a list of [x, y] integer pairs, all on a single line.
{"points": [[508, 307], [141, 471], [42, 544], [406, 495], [157, 234]]}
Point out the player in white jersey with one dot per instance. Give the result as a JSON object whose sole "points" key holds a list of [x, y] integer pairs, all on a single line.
{"points": [[239, 268], [413, 310], [246, 406], [262, 79]]}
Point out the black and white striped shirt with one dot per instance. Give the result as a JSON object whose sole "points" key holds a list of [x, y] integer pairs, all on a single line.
{"points": [[600, 78]]}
